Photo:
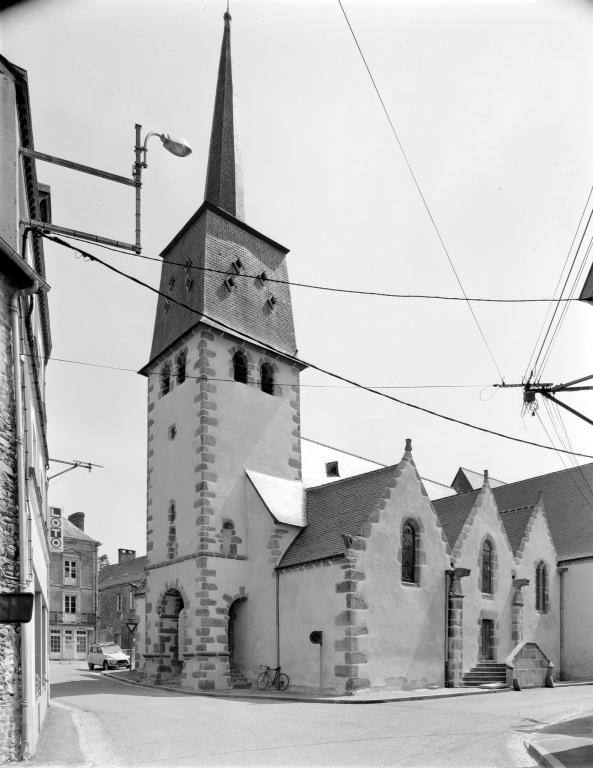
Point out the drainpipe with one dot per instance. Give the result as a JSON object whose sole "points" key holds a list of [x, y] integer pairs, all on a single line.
{"points": [[277, 618], [561, 572], [24, 576], [448, 575]]}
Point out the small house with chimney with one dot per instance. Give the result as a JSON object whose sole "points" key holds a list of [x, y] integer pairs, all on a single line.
{"points": [[121, 601]]}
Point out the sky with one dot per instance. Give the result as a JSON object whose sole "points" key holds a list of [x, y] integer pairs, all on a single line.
{"points": [[491, 102]]}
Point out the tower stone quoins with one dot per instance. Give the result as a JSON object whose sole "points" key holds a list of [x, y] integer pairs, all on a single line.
{"points": [[352, 618]]}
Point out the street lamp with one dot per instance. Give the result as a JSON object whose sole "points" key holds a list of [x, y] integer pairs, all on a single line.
{"points": [[178, 147]]}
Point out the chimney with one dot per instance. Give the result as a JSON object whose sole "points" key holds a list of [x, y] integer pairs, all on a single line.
{"points": [[77, 519], [123, 555]]}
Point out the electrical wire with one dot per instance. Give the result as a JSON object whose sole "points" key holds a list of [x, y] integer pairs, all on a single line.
{"points": [[564, 310], [313, 286], [279, 384], [557, 307], [417, 183], [541, 330], [294, 359], [554, 412], [559, 451]]}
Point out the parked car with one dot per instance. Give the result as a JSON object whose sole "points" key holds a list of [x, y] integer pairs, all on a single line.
{"points": [[108, 656]]}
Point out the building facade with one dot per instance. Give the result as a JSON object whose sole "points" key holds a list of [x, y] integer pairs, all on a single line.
{"points": [[73, 592], [246, 562], [25, 345], [121, 602]]}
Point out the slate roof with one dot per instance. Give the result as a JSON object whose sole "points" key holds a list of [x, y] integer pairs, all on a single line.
{"points": [[285, 499], [476, 479], [515, 524], [224, 187], [337, 508], [71, 531], [568, 504], [123, 573], [453, 511]]}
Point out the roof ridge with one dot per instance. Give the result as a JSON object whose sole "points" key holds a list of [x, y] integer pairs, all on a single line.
{"points": [[517, 509], [548, 474], [341, 450]]}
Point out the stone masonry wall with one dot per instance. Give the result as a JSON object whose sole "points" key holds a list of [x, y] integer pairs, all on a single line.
{"points": [[10, 726]]}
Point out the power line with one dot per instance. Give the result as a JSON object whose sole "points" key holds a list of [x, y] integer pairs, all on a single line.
{"points": [[279, 384], [582, 216], [313, 286], [576, 253], [417, 183], [295, 359]]}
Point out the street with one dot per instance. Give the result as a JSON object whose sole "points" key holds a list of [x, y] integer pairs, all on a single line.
{"points": [[97, 720]]}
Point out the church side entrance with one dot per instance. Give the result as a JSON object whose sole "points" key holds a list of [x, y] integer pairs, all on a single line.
{"points": [[487, 640], [236, 611]]}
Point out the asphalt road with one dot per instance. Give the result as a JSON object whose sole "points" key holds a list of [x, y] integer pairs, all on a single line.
{"points": [[96, 720]]}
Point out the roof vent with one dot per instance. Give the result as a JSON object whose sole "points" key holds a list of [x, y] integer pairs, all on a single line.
{"points": [[187, 266], [332, 469], [189, 281], [271, 302], [237, 265], [262, 277], [230, 283], [171, 282]]}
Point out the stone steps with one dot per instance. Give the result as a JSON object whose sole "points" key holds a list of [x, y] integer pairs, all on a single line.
{"points": [[483, 673], [238, 680]]}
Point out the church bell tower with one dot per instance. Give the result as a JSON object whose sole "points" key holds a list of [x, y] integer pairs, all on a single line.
{"points": [[223, 398]]}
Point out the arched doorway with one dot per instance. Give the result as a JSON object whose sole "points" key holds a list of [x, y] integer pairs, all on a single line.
{"points": [[234, 634], [169, 641]]}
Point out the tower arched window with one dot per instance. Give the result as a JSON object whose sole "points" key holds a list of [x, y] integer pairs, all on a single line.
{"points": [[227, 533], [240, 367], [541, 587], [267, 378], [409, 553], [165, 379], [180, 363], [487, 563]]}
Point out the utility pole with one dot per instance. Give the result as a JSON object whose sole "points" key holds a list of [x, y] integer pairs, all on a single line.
{"points": [[549, 391]]}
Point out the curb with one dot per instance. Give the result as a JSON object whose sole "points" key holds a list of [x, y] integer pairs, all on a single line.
{"points": [[542, 755], [305, 699]]}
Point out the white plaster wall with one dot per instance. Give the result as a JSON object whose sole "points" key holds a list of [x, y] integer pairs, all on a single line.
{"points": [[405, 645], [540, 628], [255, 629], [484, 519], [578, 620], [309, 601], [172, 461]]}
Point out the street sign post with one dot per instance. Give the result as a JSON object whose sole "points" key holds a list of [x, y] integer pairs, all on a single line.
{"points": [[132, 626]]}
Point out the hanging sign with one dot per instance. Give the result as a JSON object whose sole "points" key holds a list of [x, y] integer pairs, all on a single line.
{"points": [[56, 539]]}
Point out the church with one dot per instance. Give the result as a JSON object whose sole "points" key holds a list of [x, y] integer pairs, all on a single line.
{"points": [[347, 583]]}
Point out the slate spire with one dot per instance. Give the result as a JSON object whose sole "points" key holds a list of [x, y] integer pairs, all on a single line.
{"points": [[224, 181]]}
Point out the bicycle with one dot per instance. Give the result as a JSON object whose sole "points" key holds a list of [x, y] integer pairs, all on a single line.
{"points": [[266, 680]]}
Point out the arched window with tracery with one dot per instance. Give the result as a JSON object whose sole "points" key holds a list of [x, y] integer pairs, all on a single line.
{"points": [[240, 367], [409, 553], [165, 379], [541, 587], [180, 363], [267, 378], [487, 567]]}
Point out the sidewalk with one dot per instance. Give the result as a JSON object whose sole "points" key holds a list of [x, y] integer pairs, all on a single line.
{"points": [[366, 696], [567, 743]]}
